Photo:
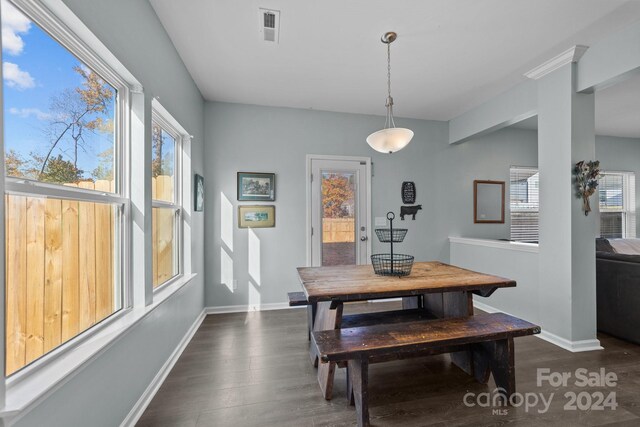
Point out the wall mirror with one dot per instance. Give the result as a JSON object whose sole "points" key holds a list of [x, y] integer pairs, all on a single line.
{"points": [[488, 202]]}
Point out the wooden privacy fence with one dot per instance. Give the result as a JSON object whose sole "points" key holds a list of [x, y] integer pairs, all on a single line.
{"points": [[338, 230], [163, 231], [60, 267], [59, 271]]}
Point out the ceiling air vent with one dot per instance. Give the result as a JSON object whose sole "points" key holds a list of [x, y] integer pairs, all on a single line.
{"points": [[269, 25]]}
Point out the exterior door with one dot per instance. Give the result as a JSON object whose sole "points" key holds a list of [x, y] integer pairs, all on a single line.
{"points": [[339, 211]]}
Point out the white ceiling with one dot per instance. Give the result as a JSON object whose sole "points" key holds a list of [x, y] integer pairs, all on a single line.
{"points": [[450, 56]]}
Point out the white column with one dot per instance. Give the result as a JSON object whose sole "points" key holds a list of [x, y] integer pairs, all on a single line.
{"points": [[567, 237]]}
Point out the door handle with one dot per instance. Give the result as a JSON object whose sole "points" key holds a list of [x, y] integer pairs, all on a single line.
{"points": [[363, 238]]}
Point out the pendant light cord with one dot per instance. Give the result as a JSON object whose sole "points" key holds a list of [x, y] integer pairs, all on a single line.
{"points": [[389, 122]]}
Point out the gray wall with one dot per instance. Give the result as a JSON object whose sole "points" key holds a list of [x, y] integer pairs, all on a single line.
{"points": [[265, 139], [620, 154], [103, 392]]}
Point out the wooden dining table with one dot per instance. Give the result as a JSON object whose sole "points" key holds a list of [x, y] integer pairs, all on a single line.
{"points": [[442, 290]]}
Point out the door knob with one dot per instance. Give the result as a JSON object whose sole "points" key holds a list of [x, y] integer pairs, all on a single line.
{"points": [[363, 238]]}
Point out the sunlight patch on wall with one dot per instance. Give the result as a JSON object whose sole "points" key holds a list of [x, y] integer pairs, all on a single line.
{"points": [[254, 257], [254, 296], [226, 269], [226, 221]]}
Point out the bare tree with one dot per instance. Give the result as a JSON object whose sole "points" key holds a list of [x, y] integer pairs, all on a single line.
{"points": [[74, 112]]}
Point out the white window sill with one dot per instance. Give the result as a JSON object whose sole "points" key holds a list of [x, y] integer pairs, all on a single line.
{"points": [[500, 244], [35, 383]]}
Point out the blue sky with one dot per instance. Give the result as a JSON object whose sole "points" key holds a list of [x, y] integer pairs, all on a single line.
{"points": [[35, 69]]}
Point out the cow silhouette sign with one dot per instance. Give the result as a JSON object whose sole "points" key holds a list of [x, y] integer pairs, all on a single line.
{"points": [[409, 210]]}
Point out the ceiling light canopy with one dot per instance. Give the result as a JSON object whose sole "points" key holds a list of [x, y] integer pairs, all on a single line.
{"points": [[389, 139]]}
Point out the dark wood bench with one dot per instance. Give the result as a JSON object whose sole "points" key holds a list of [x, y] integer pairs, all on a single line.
{"points": [[297, 299], [488, 336], [385, 317]]}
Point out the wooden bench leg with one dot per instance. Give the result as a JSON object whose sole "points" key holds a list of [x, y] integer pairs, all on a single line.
{"points": [[358, 371], [497, 356], [326, 318], [349, 388], [503, 366]]}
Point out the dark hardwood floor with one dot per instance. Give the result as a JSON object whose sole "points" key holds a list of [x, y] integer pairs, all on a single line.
{"points": [[253, 369]]}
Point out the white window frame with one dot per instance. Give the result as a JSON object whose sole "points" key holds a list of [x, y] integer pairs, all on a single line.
{"points": [[170, 125], [628, 210], [24, 389], [59, 32]]}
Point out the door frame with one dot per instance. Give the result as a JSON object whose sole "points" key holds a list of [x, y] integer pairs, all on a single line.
{"points": [[367, 160]]}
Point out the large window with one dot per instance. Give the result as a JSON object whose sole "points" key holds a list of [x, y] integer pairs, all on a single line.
{"points": [[617, 205], [64, 192], [524, 202], [166, 185]]}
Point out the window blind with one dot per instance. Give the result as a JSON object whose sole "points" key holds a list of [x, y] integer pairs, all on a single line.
{"points": [[617, 197], [524, 201]]}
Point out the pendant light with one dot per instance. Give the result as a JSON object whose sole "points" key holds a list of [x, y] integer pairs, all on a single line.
{"points": [[389, 139]]}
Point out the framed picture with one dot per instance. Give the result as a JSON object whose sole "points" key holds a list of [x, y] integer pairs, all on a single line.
{"points": [[198, 190], [256, 216], [253, 186], [488, 202]]}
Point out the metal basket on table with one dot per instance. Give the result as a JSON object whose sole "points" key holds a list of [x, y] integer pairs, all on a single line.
{"points": [[388, 235], [392, 265]]}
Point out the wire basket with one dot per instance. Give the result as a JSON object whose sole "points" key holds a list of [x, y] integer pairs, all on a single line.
{"points": [[385, 235], [392, 265]]}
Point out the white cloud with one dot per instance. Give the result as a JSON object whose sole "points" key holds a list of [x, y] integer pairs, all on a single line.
{"points": [[14, 23], [28, 112], [15, 77]]}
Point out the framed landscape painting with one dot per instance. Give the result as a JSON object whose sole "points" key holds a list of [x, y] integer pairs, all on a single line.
{"points": [[254, 186], [257, 216]]}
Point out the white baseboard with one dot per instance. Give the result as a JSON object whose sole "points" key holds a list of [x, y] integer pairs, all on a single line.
{"points": [[244, 308], [142, 403], [572, 346]]}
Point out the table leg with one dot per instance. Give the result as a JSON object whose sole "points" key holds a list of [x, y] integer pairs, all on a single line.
{"points": [[459, 304], [311, 317], [326, 318]]}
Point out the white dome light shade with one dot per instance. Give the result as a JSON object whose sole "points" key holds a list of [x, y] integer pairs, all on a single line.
{"points": [[390, 140]]}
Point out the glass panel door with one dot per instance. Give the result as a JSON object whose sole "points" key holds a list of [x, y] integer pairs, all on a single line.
{"points": [[338, 210], [339, 216]]}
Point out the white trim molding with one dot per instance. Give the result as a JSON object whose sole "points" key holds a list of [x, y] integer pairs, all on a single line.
{"points": [[138, 409], [572, 346], [500, 244], [245, 308], [567, 57]]}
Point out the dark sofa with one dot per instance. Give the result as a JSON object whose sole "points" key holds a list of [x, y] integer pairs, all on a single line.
{"points": [[618, 292]]}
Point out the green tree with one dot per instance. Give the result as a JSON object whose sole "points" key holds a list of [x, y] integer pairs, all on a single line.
{"points": [[61, 171]]}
